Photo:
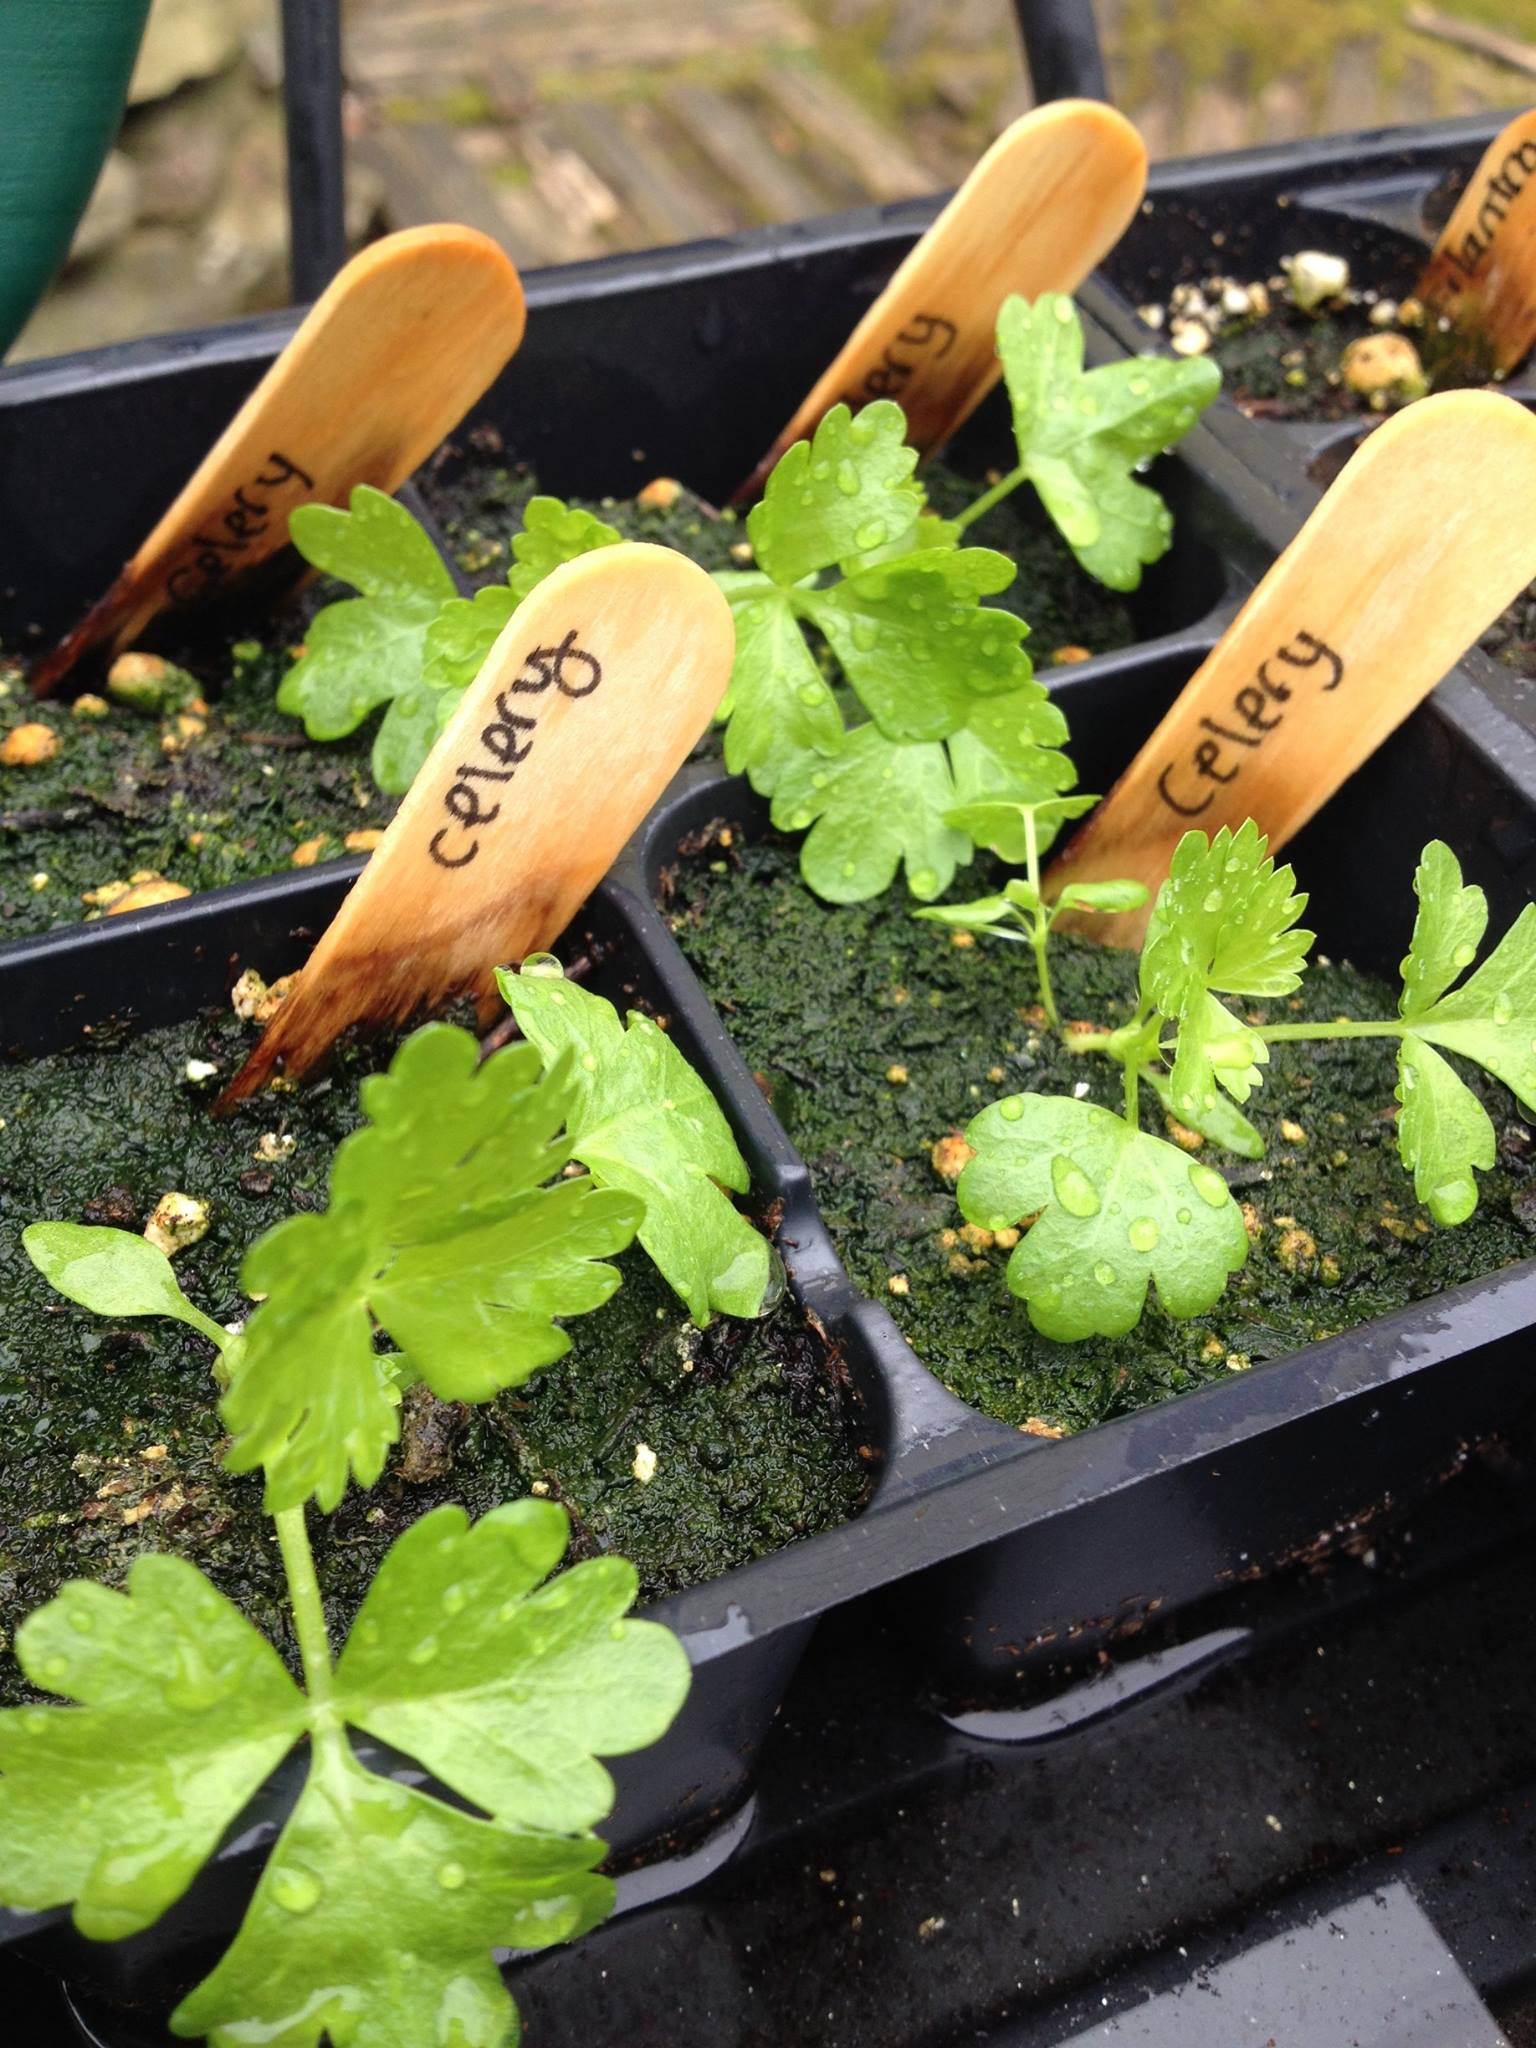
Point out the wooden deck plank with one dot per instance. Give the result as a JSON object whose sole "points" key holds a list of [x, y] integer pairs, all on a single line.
{"points": [[621, 146], [738, 147], [885, 166], [426, 178]]}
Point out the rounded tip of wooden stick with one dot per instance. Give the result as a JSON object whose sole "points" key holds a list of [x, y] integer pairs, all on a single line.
{"points": [[445, 244]]}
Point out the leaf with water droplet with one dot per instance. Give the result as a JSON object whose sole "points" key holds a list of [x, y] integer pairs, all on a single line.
{"points": [[1080, 434], [531, 1685], [878, 804], [1222, 1121], [1141, 1230], [441, 1228], [184, 1709], [1491, 1017], [1447, 930], [773, 719], [355, 1886], [650, 1133], [918, 668], [809, 519], [1443, 1131], [1226, 915]]}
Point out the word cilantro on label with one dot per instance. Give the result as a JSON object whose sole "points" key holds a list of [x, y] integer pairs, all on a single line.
{"points": [[572, 671], [247, 519], [1253, 713]]}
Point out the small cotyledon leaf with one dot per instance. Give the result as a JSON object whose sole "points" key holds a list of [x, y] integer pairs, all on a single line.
{"points": [[112, 1273], [1116, 1211], [641, 1120]]}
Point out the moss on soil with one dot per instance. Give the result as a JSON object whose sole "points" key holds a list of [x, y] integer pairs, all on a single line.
{"points": [[132, 793], [110, 1440], [824, 1003]]}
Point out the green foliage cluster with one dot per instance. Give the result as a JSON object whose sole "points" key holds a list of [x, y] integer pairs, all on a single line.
{"points": [[460, 1231], [876, 697], [1112, 1210]]}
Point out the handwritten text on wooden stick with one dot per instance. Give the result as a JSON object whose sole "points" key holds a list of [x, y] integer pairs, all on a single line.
{"points": [[1046, 201], [1482, 275], [1425, 537], [599, 684]]}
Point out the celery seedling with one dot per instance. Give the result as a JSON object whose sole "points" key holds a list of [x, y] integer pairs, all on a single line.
{"points": [[377, 1913], [1118, 1209]]}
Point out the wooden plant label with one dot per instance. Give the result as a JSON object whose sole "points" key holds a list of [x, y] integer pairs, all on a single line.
{"points": [[599, 684], [1424, 539], [1482, 274], [1051, 196], [385, 363]]}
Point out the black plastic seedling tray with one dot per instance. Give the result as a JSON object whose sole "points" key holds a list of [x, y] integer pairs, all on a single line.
{"points": [[1017, 1558]]}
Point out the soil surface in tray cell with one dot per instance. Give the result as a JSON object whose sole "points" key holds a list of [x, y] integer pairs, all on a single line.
{"points": [[110, 1440], [1356, 353], [876, 1036], [231, 788]]}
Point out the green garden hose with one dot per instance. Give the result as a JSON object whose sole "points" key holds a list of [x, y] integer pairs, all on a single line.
{"points": [[64, 71]]}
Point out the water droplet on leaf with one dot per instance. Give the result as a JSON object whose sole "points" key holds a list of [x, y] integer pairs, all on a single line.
{"points": [[1012, 1107], [1074, 1190], [847, 479], [1143, 1234], [451, 1876], [870, 534], [1208, 1185], [1105, 1273], [296, 1891]]}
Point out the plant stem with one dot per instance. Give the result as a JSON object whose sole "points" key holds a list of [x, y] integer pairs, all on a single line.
{"points": [[1040, 929], [1133, 1094], [194, 1317], [1283, 1034], [308, 1611], [988, 499]]}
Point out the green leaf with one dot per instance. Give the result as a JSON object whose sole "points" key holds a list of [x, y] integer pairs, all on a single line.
{"points": [[554, 533], [1004, 827], [1447, 931], [466, 629], [642, 1120], [112, 1273], [843, 493], [1080, 434], [374, 1921], [993, 914], [870, 808], [780, 708], [526, 1688], [1108, 897], [1119, 1211], [1214, 1047], [1220, 1119], [1443, 1131], [916, 643], [441, 1230], [183, 1711], [1491, 1018], [365, 651], [1224, 919]]}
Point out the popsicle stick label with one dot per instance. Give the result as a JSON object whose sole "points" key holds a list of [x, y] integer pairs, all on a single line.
{"points": [[1051, 196], [1257, 710], [1482, 275], [590, 700], [245, 522], [385, 363], [1422, 541], [505, 745]]}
